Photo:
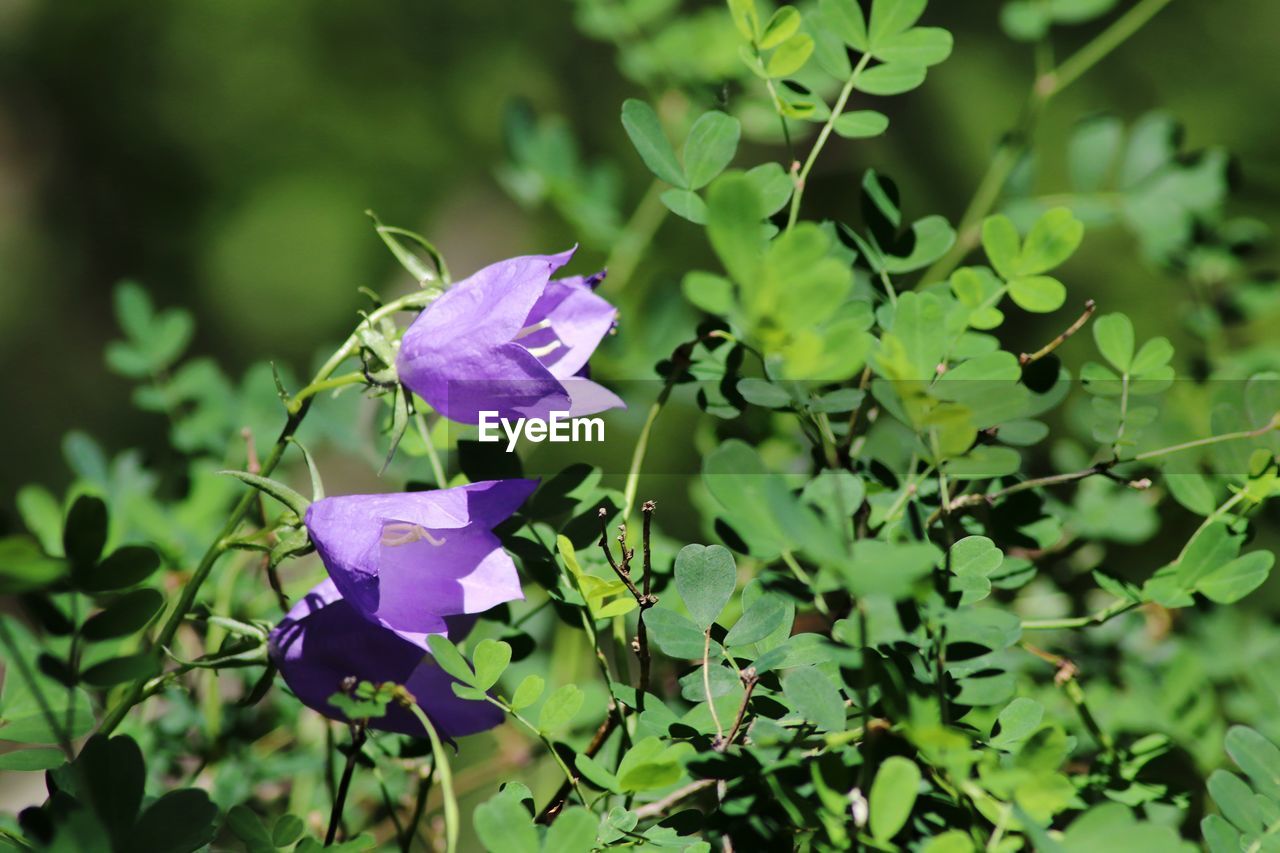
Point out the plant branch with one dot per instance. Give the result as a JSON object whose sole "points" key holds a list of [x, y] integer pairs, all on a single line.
{"points": [[1075, 66], [821, 141], [414, 301], [339, 801], [1106, 614], [1089, 307]]}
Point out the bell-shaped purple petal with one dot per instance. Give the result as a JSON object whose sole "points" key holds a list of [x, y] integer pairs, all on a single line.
{"points": [[324, 640], [504, 340], [409, 561], [575, 321]]}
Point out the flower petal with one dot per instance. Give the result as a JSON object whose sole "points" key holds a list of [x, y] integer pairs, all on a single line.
{"points": [[578, 319], [483, 310], [323, 640], [587, 397], [507, 379]]}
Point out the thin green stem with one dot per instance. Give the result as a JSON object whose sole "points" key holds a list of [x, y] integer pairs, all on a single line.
{"points": [[452, 818], [1018, 141], [17, 662], [1106, 614], [323, 385], [636, 235], [569, 775], [1100, 47], [637, 455], [821, 141], [437, 469], [425, 775], [186, 599], [1213, 439]]}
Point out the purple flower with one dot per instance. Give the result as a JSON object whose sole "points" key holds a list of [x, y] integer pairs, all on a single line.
{"points": [[411, 561], [324, 640], [512, 340]]}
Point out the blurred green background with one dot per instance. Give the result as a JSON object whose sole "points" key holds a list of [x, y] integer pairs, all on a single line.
{"points": [[222, 153]]}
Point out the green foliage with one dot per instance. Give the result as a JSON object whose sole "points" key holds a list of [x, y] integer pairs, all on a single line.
{"points": [[944, 602]]}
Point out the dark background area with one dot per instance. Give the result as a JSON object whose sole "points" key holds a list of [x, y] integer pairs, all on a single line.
{"points": [[222, 154]]}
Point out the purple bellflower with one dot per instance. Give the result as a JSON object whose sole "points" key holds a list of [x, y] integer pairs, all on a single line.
{"points": [[408, 562], [324, 640], [510, 339]]}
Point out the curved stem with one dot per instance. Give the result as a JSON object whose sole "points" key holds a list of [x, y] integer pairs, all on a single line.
{"points": [[414, 301], [441, 760], [1095, 51], [1104, 615], [340, 801], [823, 135]]}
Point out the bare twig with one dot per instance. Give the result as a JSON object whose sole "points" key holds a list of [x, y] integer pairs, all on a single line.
{"points": [[1089, 307], [657, 807]]}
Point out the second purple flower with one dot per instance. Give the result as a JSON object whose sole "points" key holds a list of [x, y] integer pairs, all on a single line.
{"points": [[510, 339]]}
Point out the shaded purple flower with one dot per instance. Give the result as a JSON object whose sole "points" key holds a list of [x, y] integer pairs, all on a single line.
{"points": [[324, 640], [410, 561], [512, 340]]}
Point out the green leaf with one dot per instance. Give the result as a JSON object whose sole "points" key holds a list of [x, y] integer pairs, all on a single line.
{"points": [[85, 533], [126, 566], [595, 773], [528, 692], [932, 236], [676, 635], [118, 670], [790, 56], [1039, 294], [449, 659], [975, 555], [1017, 722], [24, 566], [651, 764], [735, 208], [1093, 151], [275, 489], [1258, 757], [712, 142], [705, 578], [573, 832], [745, 18], [773, 185], [922, 46], [1052, 239], [645, 131], [861, 124], [287, 830], [26, 760], [812, 694], [763, 393], [760, 620], [686, 204], [178, 822], [782, 25], [1001, 243], [889, 568], [42, 514], [1236, 801], [1113, 334], [892, 79], [1229, 583], [844, 18], [504, 825], [890, 17], [893, 795], [490, 660], [559, 709], [127, 614]]}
